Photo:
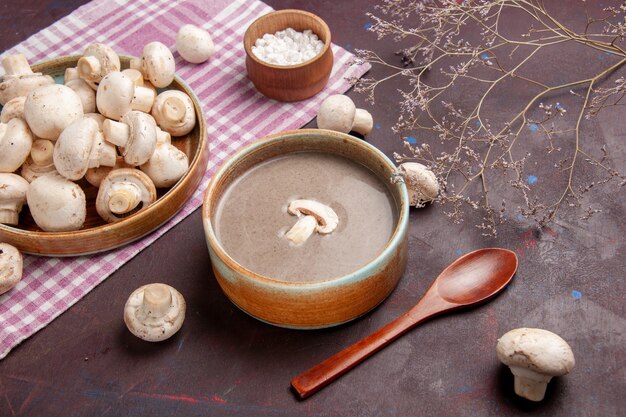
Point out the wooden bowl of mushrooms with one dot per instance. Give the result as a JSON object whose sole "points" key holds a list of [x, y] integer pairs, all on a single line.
{"points": [[109, 150], [306, 228], [288, 54]]}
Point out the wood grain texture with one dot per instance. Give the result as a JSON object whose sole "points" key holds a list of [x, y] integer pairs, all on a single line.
{"points": [[291, 82], [97, 235]]}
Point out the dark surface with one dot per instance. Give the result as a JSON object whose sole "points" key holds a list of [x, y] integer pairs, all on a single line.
{"points": [[223, 363]]}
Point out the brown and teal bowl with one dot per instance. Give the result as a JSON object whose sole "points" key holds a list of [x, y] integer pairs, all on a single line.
{"points": [[308, 304]]}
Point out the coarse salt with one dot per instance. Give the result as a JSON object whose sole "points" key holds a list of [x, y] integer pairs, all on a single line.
{"points": [[287, 47]]}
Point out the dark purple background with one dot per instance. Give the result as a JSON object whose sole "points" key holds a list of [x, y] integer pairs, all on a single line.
{"points": [[224, 363]]}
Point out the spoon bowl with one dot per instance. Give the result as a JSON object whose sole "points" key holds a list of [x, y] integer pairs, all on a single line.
{"points": [[471, 279]]}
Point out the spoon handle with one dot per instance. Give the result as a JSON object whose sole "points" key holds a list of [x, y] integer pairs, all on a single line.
{"points": [[324, 373]]}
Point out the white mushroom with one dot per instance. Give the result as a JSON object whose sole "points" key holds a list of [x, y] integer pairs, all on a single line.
{"points": [[136, 135], [82, 146], [41, 160], [154, 312], [85, 92], [534, 356], [194, 44], [11, 267], [56, 203], [302, 230], [326, 217], [16, 140], [174, 112], [421, 183], [166, 166], [13, 190], [117, 95], [97, 61], [19, 80], [122, 192], [50, 109], [339, 113], [12, 109], [156, 64]]}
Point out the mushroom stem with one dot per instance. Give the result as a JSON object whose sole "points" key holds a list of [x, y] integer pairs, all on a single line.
{"points": [[123, 200], [173, 109], [528, 384], [16, 65], [363, 122], [157, 300], [302, 230], [89, 68], [143, 99], [116, 132], [8, 216], [71, 73]]}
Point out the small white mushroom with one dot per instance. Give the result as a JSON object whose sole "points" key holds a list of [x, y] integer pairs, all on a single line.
{"points": [[136, 135], [326, 217], [154, 312], [534, 356], [56, 203], [41, 160], [174, 112], [117, 95], [11, 267], [421, 183], [85, 92], [194, 44], [50, 109], [16, 139], [156, 64], [82, 146], [12, 109], [339, 113], [97, 61], [123, 192], [13, 190], [166, 166], [19, 80]]}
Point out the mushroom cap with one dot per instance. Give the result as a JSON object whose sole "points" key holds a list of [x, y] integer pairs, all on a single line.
{"points": [[421, 183], [107, 59], [194, 44], [142, 138], [56, 203], [158, 64], [166, 166], [85, 92], [12, 109], [154, 312], [326, 217], [16, 141], [537, 350], [13, 190], [174, 112], [124, 180], [73, 148], [115, 95], [11, 267], [50, 109], [336, 113], [12, 87]]}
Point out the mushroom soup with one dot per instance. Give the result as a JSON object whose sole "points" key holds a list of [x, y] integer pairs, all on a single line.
{"points": [[252, 220]]}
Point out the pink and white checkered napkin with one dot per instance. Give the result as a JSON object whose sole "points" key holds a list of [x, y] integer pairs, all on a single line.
{"points": [[235, 113]]}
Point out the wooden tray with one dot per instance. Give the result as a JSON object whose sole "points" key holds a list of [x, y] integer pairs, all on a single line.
{"points": [[97, 235]]}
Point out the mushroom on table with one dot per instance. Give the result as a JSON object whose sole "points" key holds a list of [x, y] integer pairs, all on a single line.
{"points": [[339, 113], [421, 183], [194, 44]]}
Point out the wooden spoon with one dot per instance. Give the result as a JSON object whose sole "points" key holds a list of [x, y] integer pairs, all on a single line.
{"points": [[471, 279]]}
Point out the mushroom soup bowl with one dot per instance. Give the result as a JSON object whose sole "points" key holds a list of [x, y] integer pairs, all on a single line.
{"points": [[97, 235], [331, 278]]}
